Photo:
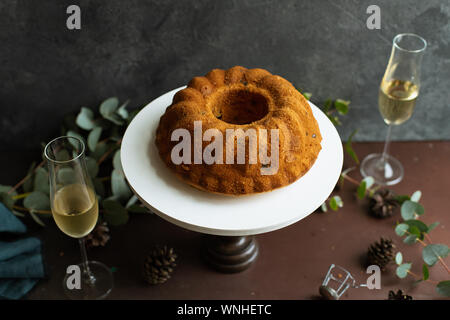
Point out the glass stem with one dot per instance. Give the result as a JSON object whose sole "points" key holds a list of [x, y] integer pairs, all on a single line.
{"points": [[90, 279], [386, 146]]}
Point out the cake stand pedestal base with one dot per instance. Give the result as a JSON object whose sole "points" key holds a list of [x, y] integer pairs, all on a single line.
{"points": [[230, 254]]}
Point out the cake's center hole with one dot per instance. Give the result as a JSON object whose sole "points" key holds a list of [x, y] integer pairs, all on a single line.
{"points": [[240, 106]]}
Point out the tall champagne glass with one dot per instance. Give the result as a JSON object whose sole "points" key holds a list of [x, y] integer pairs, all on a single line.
{"points": [[74, 207], [397, 97]]}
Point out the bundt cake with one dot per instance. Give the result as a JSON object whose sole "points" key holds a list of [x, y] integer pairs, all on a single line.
{"points": [[273, 116]]}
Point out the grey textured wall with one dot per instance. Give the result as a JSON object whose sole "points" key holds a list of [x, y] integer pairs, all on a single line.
{"points": [[141, 49]]}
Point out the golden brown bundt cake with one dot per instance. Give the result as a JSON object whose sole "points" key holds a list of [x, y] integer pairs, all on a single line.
{"points": [[247, 99]]}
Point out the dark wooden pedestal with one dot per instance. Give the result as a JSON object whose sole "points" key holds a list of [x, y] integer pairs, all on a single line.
{"points": [[230, 254]]}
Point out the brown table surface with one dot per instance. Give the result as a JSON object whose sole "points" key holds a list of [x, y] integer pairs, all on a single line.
{"points": [[292, 261]]}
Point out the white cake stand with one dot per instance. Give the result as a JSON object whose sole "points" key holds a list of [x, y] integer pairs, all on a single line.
{"points": [[231, 220]]}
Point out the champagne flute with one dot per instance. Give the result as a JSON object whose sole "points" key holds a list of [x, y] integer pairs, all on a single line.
{"points": [[74, 207], [397, 97]]}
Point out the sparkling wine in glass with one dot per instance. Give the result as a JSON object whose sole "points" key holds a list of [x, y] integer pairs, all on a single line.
{"points": [[74, 207], [397, 97]]}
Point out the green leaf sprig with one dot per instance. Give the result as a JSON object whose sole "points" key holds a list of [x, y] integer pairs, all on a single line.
{"points": [[331, 108], [334, 108], [415, 231], [102, 133]]}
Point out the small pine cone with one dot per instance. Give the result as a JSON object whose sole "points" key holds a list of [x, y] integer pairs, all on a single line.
{"points": [[99, 236], [381, 253], [383, 203], [159, 265], [398, 296]]}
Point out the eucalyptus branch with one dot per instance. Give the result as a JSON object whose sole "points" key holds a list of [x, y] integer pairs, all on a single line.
{"points": [[369, 191], [441, 261], [108, 153], [416, 231], [415, 275], [28, 176], [21, 196], [28, 210]]}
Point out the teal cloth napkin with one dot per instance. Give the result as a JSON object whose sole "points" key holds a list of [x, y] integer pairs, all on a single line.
{"points": [[21, 264]]}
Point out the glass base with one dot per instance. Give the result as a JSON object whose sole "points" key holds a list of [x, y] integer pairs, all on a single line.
{"points": [[94, 288], [385, 173]]}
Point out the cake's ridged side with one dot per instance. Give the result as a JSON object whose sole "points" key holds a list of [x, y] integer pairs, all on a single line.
{"points": [[288, 111]]}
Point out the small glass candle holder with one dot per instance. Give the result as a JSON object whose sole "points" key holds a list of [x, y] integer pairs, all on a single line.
{"points": [[336, 282]]}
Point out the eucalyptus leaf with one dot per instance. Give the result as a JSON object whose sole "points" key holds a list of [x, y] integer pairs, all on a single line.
{"points": [[41, 181], [62, 155], [108, 110], [402, 198], [36, 218], [7, 199], [401, 229], [338, 201], [361, 191], [425, 272], [416, 196], [66, 175], [349, 147], [414, 230], [6, 189], [75, 135], [28, 184], [119, 186], [432, 252], [115, 214], [117, 164], [85, 119], [443, 288], [410, 239], [93, 138], [324, 207], [399, 258], [109, 106], [422, 227], [341, 106], [100, 150], [18, 214], [92, 167], [432, 226], [333, 204], [307, 95], [336, 121], [411, 209], [99, 187], [132, 201], [369, 181], [37, 200], [122, 111], [402, 270], [114, 118]]}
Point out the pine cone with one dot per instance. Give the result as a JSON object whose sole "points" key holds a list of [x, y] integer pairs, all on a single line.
{"points": [[398, 296], [159, 265], [383, 203], [99, 236], [381, 253]]}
